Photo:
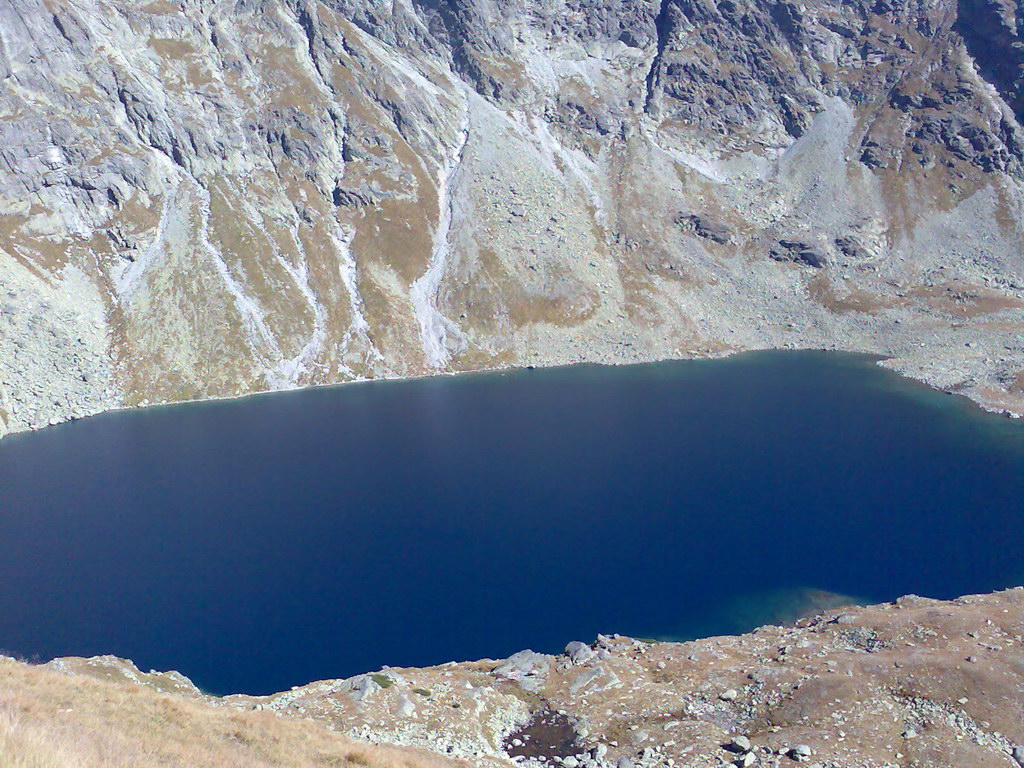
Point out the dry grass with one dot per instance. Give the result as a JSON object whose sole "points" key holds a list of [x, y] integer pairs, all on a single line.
{"points": [[52, 720]]}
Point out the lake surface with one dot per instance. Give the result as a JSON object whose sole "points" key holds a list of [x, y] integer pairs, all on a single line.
{"points": [[266, 542]]}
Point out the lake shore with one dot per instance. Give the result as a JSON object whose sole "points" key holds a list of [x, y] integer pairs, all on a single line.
{"points": [[914, 681], [940, 378]]}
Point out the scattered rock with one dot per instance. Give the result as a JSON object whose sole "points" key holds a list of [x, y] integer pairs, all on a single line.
{"points": [[739, 744], [659, 695], [800, 752]]}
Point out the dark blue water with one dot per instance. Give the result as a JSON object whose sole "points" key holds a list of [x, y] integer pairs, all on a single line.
{"points": [[262, 543]]}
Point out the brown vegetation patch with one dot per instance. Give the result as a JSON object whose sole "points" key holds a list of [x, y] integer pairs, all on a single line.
{"points": [[171, 50], [479, 358], [1004, 214], [965, 300], [1011, 400], [399, 236], [161, 8], [820, 289], [544, 294], [38, 254], [291, 87]]}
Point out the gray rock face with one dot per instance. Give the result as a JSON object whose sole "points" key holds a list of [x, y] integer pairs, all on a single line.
{"points": [[522, 664], [363, 687], [578, 652], [993, 31], [217, 199]]}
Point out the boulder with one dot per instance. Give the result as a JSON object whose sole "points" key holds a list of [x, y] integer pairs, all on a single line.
{"points": [[705, 227], [852, 247], [526, 667], [801, 752], [739, 744], [799, 252], [579, 653], [364, 686]]}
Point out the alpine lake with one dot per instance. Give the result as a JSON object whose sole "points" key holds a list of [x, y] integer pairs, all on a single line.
{"points": [[261, 543]]}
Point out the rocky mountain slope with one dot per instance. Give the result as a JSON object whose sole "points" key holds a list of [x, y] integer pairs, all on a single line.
{"points": [[917, 682], [208, 198]]}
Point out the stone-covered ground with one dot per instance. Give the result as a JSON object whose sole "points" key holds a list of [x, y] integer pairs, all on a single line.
{"points": [[916, 682]]}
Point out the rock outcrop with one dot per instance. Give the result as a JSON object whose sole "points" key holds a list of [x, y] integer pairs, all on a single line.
{"points": [[207, 199]]}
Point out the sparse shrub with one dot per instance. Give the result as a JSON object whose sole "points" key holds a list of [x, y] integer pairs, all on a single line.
{"points": [[382, 680]]}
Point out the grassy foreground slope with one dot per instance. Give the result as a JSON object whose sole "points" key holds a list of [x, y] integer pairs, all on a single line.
{"points": [[53, 720]]}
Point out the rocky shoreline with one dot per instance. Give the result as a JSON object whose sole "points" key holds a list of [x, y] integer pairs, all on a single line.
{"points": [[934, 379], [915, 682]]}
